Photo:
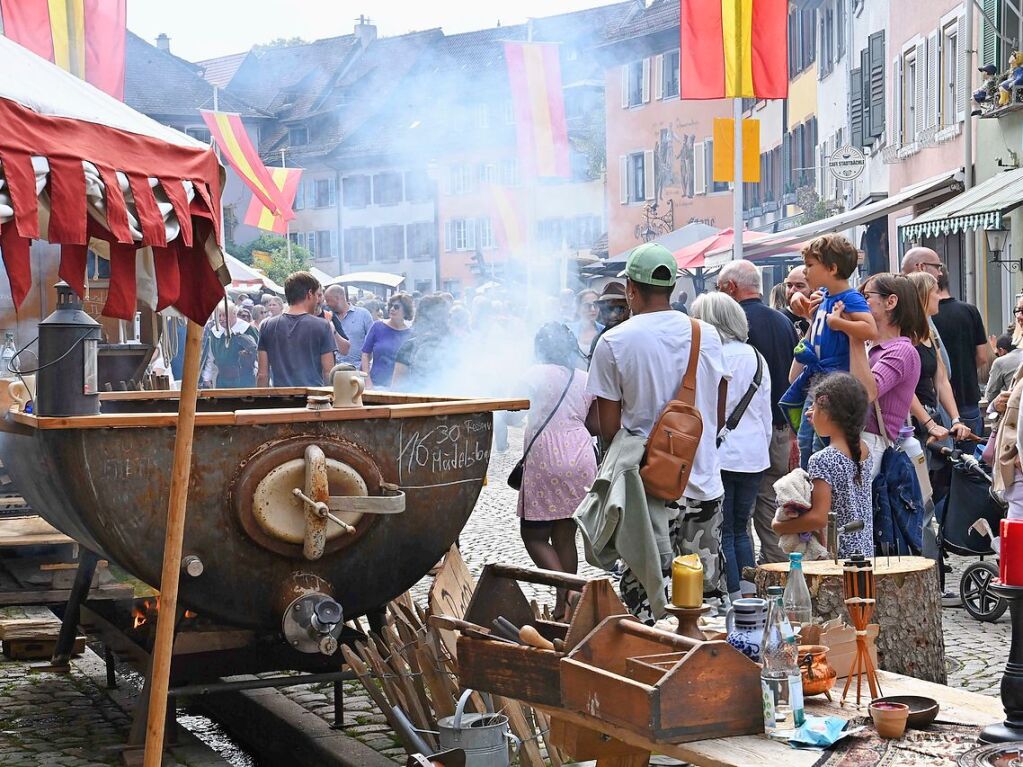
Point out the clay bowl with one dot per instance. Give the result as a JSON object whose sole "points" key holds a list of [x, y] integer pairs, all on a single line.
{"points": [[922, 711], [889, 718]]}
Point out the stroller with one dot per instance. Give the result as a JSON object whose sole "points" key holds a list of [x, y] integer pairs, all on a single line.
{"points": [[969, 528]]}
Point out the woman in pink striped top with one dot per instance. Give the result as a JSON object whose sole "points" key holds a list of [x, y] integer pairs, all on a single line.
{"points": [[891, 370]]}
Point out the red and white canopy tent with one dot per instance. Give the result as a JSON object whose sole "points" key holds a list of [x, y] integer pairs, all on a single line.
{"points": [[80, 169]]}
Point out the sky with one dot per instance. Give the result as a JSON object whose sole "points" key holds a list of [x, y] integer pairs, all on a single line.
{"points": [[203, 29]]}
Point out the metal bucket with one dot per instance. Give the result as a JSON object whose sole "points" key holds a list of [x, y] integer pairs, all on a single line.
{"points": [[483, 737]]}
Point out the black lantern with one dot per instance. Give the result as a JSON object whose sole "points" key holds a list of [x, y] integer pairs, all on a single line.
{"points": [[66, 378], [997, 239]]}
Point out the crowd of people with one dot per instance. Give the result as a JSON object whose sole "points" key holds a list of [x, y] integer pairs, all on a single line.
{"points": [[810, 392], [815, 392]]}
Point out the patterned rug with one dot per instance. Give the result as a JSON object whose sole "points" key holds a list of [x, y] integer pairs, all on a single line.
{"points": [[940, 744]]}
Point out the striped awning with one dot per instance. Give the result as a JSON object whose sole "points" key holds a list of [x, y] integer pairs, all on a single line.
{"points": [[981, 207]]}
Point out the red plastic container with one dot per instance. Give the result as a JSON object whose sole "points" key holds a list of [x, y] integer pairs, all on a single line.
{"points": [[1011, 554]]}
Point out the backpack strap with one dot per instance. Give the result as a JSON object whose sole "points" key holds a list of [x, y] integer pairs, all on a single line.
{"points": [[687, 391]]}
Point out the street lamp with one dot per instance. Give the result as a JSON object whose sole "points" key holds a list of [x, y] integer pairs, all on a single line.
{"points": [[997, 239]]}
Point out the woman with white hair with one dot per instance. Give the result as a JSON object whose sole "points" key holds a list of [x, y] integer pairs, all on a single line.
{"points": [[743, 445]]}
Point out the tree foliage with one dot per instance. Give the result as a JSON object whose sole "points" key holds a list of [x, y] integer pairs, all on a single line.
{"points": [[279, 42], [281, 264]]}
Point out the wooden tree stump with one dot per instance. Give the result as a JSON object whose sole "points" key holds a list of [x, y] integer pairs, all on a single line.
{"points": [[908, 609]]}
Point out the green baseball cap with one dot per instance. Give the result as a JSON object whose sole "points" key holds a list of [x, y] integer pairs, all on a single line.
{"points": [[643, 262]]}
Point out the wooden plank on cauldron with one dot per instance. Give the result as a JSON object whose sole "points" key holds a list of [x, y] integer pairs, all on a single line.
{"points": [[457, 407], [120, 420], [30, 531], [303, 415]]}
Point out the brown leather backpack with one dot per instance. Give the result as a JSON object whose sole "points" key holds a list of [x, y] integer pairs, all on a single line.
{"points": [[672, 444]]}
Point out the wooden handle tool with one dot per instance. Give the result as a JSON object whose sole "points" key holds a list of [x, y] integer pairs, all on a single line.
{"points": [[530, 636], [506, 628], [466, 628]]}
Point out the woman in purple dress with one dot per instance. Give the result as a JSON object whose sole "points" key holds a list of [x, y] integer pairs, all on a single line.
{"points": [[560, 464], [384, 339]]}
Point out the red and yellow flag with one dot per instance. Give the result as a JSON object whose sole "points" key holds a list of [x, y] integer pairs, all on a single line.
{"points": [[734, 49], [85, 37], [724, 150], [534, 73], [228, 132], [286, 180], [508, 217]]}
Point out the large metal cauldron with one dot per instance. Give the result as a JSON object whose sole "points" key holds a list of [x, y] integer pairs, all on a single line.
{"points": [[108, 489]]}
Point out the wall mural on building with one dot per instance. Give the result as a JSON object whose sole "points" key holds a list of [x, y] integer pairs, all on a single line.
{"points": [[673, 161]]}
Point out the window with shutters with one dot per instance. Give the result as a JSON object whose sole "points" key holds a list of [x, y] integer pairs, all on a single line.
{"points": [[992, 47], [487, 173], [669, 74], [949, 63], [461, 234], [840, 29], [358, 245], [421, 240], [418, 187], [389, 243], [461, 179], [355, 190], [509, 172], [856, 107], [325, 244], [708, 164], [300, 196], [387, 189], [864, 96], [310, 244], [875, 86], [636, 177], [802, 40], [324, 193], [909, 101], [827, 62], [485, 234], [636, 84]]}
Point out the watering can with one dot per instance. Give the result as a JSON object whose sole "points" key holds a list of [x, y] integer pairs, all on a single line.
{"points": [[483, 737]]}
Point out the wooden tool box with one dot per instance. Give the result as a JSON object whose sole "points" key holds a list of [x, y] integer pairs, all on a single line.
{"points": [[663, 686], [517, 671]]}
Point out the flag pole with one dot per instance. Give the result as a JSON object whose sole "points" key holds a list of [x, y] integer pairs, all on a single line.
{"points": [[287, 222], [737, 218]]}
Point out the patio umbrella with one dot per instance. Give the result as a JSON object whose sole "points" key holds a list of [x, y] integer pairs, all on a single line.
{"points": [[82, 170], [693, 256], [680, 238]]}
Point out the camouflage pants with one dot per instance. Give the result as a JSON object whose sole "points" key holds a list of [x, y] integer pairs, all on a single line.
{"points": [[696, 529]]}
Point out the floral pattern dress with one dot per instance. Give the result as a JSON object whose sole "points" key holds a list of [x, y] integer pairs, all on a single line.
{"points": [[561, 465]]}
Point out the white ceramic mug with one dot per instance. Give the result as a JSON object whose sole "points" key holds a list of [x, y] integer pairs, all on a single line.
{"points": [[349, 384]]}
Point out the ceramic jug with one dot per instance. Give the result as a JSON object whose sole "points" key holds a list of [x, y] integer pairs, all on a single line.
{"points": [[745, 623], [348, 384]]}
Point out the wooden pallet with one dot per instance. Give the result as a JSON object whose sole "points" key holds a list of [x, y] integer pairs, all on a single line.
{"points": [[38, 565], [33, 638]]}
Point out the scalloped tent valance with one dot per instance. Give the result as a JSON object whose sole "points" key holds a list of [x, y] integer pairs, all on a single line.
{"points": [[82, 170]]}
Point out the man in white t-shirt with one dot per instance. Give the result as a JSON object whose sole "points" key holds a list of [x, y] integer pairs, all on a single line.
{"points": [[637, 367]]}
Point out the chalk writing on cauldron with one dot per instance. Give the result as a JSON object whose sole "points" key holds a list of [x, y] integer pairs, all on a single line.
{"points": [[445, 448], [123, 468]]}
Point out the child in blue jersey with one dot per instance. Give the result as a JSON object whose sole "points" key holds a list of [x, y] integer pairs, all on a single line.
{"points": [[829, 262]]}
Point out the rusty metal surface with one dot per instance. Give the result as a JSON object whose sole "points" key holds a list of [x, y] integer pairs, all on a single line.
{"points": [[108, 489]]}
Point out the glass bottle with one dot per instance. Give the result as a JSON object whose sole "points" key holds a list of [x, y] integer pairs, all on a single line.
{"points": [[7, 353], [798, 607], [780, 681]]}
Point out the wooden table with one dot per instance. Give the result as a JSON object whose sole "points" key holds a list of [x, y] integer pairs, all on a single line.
{"points": [[629, 749]]}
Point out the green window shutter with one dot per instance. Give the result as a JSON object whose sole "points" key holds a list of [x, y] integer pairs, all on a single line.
{"points": [[856, 106], [990, 46]]}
